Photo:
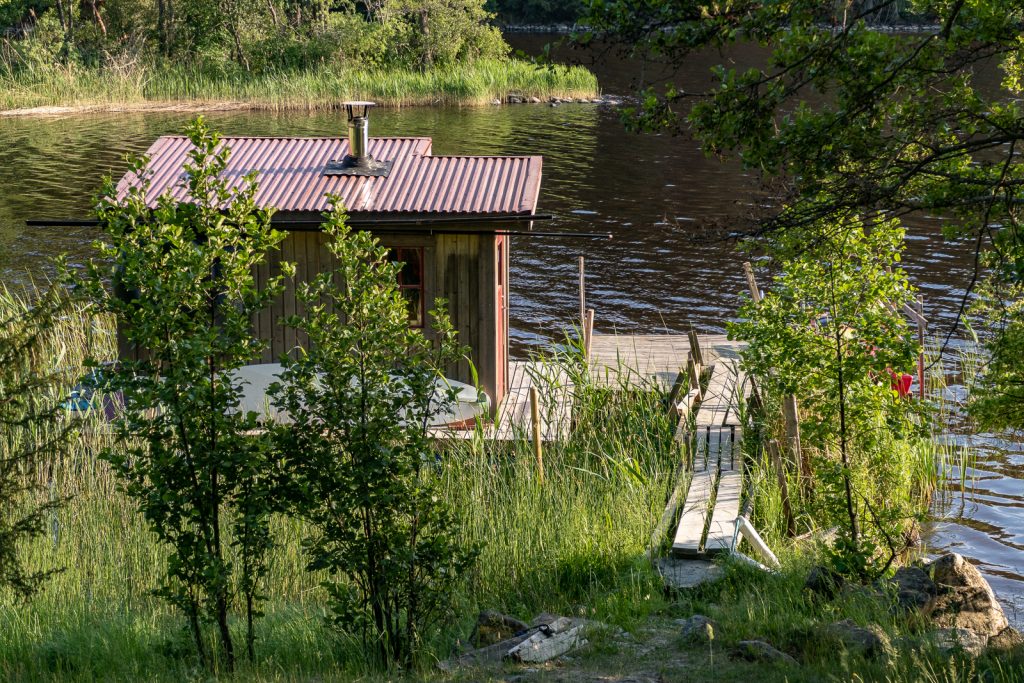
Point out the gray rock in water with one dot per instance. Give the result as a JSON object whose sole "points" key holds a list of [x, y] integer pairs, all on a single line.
{"points": [[760, 651], [961, 639], [514, 99], [1007, 640], [495, 101], [697, 629], [914, 588], [964, 600], [824, 581], [869, 642]]}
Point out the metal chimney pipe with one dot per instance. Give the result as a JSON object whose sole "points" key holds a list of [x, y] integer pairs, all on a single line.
{"points": [[358, 130]]}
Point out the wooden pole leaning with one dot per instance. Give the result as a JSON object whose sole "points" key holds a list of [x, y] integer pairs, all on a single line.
{"points": [[755, 292], [535, 424], [588, 333], [698, 356], [921, 322], [791, 413], [583, 292]]}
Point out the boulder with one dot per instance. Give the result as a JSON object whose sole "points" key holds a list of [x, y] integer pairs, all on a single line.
{"points": [[960, 639], [697, 629], [495, 101], [913, 587], [514, 99], [869, 642], [964, 599], [824, 581], [534, 100], [760, 651], [494, 627], [1007, 640]]}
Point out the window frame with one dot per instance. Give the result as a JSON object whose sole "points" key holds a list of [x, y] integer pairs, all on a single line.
{"points": [[398, 254]]}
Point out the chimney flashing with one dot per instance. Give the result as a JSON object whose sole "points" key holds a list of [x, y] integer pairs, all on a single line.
{"points": [[358, 162]]}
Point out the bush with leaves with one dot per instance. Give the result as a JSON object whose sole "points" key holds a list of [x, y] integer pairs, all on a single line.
{"points": [[359, 455], [829, 333], [179, 278], [34, 427]]}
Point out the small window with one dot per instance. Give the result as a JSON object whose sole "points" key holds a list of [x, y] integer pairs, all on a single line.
{"points": [[410, 280]]}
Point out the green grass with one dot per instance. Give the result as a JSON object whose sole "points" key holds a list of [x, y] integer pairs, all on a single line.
{"points": [[572, 545], [477, 82]]}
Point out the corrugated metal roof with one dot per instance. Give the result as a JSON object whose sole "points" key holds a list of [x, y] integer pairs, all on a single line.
{"points": [[289, 173]]}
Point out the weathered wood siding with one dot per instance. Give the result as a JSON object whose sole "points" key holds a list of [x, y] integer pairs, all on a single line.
{"points": [[459, 268], [466, 275]]}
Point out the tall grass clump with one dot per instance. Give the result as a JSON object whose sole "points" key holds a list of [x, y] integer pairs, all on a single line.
{"points": [[573, 543]]}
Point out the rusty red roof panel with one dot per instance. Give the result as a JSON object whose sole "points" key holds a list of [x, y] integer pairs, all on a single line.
{"points": [[290, 176]]}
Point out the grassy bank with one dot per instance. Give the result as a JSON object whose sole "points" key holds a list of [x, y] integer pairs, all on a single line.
{"points": [[478, 82], [572, 545]]}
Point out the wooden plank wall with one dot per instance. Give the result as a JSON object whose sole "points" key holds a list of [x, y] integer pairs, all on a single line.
{"points": [[460, 268], [465, 268]]}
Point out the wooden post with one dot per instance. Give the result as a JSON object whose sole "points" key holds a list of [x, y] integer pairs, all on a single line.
{"points": [[755, 292], [780, 471], [583, 293], [535, 417], [792, 416], [693, 372], [919, 307], [698, 357], [588, 333]]}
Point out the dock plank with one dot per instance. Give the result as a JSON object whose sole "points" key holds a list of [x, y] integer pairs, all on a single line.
{"points": [[695, 513], [723, 517]]}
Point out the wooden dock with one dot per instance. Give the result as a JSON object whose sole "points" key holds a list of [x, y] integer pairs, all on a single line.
{"points": [[513, 419], [651, 360]]}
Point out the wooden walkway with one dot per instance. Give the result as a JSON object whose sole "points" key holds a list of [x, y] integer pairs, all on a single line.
{"points": [[651, 360], [513, 419]]}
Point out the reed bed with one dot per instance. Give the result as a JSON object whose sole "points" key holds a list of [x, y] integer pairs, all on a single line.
{"points": [[472, 83]]}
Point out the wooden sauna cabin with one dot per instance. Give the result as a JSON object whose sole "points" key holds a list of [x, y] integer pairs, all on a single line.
{"points": [[446, 217]]}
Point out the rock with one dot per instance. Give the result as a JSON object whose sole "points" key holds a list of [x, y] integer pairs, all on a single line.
{"points": [[493, 627], [534, 100], [596, 100], [541, 647], [913, 587], [1007, 640], [869, 642], [543, 619], [760, 651], [952, 639], [514, 99], [495, 101], [824, 581], [964, 600], [697, 629]]}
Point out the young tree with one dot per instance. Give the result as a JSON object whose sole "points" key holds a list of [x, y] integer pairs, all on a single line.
{"points": [[359, 454], [183, 291], [34, 427], [829, 332]]}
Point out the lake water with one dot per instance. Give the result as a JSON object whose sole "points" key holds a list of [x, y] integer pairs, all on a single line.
{"points": [[667, 267]]}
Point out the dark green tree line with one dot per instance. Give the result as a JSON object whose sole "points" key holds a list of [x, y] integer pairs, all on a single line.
{"points": [[250, 35]]}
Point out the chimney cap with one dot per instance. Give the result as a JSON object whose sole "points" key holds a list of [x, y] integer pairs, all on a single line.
{"points": [[357, 109]]}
